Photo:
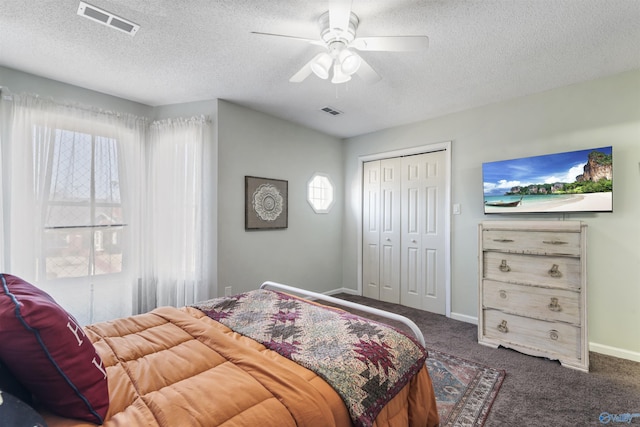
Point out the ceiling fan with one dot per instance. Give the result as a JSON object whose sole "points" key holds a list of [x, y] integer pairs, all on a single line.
{"points": [[338, 36]]}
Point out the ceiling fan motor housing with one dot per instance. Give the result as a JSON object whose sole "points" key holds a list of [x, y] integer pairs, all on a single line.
{"points": [[345, 35]]}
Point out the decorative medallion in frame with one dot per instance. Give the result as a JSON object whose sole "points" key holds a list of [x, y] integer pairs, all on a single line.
{"points": [[265, 203]]}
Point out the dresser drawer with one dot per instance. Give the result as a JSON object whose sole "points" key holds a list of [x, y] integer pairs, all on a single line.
{"points": [[549, 271], [556, 340], [529, 301], [542, 242]]}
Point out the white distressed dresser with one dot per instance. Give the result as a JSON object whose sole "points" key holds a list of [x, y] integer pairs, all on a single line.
{"points": [[532, 289]]}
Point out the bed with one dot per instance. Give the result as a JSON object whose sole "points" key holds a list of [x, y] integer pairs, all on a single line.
{"points": [[263, 358]]}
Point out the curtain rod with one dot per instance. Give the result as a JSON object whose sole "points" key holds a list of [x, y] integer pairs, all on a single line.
{"points": [[7, 95], [10, 96]]}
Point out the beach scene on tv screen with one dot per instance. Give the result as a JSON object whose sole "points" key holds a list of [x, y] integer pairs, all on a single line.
{"points": [[573, 181]]}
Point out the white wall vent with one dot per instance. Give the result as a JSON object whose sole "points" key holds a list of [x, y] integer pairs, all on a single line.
{"points": [[332, 111], [107, 18]]}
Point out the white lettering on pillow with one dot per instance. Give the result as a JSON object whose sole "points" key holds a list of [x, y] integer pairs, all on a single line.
{"points": [[74, 330], [98, 364]]}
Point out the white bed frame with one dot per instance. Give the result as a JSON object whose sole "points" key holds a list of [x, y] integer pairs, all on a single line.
{"points": [[382, 313]]}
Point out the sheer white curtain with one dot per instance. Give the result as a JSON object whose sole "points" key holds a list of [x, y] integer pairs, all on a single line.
{"points": [[176, 250], [74, 194]]}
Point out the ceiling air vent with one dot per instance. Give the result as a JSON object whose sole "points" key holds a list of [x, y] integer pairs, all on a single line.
{"points": [[331, 111], [107, 18]]}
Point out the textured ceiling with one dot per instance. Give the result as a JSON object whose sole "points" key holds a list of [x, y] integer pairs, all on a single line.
{"points": [[480, 52]]}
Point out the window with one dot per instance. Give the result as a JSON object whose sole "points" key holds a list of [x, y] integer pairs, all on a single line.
{"points": [[82, 206], [320, 193]]}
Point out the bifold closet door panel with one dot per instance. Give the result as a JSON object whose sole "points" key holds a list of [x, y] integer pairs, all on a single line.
{"points": [[381, 230]]}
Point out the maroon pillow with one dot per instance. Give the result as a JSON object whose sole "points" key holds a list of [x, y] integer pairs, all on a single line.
{"points": [[48, 352]]}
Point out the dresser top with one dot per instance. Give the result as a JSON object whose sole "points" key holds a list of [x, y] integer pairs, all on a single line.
{"points": [[567, 226]]}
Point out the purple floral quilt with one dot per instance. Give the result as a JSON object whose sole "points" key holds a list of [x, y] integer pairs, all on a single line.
{"points": [[366, 362]]}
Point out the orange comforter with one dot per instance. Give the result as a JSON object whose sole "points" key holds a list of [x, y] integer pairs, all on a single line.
{"points": [[177, 367]]}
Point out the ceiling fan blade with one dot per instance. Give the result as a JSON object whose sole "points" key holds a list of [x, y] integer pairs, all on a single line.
{"points": [[303, 72], [339, 14], [283, 36], [366, 73], [391, 43]]}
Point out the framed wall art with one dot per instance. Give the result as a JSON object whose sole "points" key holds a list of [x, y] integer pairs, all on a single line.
{"points": [[265, 203]]}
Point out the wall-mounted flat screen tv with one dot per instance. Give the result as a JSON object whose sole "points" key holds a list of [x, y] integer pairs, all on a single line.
{"points": [[573, 181]]}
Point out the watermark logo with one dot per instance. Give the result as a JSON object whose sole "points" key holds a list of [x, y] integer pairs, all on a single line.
{"points": [[606, 418]]}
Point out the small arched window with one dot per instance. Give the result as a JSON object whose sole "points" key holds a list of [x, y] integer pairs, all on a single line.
{"points": [[320, 193]]}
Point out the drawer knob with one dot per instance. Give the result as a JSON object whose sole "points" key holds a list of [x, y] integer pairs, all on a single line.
{"points": [[553, 334], [503, 240], [554, 272], [504, 267], [503, 294], [554, 306], [554, 242], [502, 327]]}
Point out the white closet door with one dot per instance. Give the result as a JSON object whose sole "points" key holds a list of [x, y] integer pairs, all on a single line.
{"points": [[423, 227]]}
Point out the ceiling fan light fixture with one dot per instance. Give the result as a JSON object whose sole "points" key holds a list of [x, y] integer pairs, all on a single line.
{"points": [[339, 76], [349, 62], [321, 65]]}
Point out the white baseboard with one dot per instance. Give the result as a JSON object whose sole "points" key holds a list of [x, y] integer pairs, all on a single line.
{"points": [[342, 290], [614, 351], [464, 318]]}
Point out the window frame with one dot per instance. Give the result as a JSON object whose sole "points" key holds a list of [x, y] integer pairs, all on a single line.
{"points": [[312, 200]]}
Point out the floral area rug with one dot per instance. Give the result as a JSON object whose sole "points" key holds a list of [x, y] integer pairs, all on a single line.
{"points": [[464, 390]]}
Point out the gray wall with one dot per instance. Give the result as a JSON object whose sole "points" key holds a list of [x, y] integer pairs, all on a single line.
{"points": [[593, 114], [306, 254]]}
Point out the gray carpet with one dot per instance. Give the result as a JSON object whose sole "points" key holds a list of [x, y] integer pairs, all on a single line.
{"points": [[536, 391]]}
